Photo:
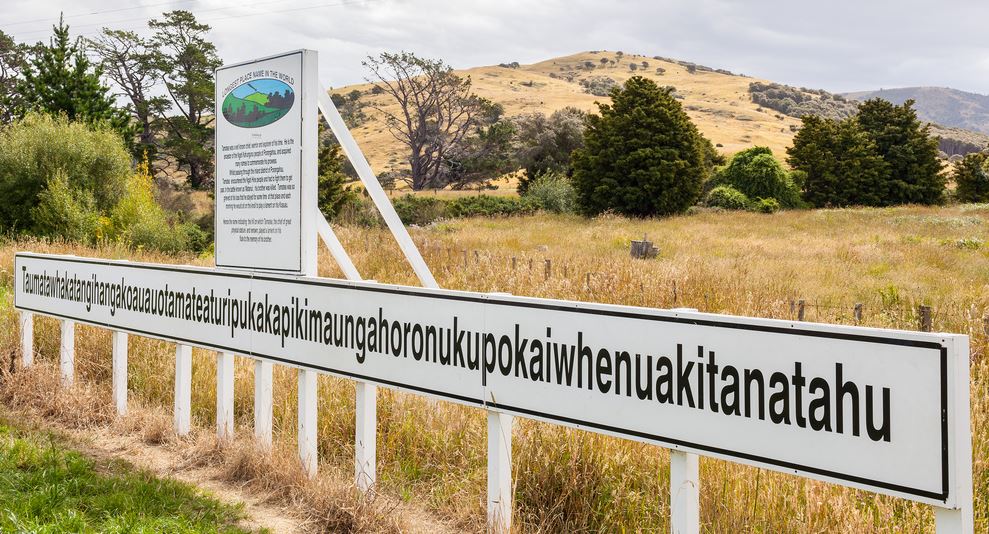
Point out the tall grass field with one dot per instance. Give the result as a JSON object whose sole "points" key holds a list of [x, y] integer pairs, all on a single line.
{"points": [[888, 260]]}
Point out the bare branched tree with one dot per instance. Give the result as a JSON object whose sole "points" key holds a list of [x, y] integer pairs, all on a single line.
{"points": [[436, 111]]}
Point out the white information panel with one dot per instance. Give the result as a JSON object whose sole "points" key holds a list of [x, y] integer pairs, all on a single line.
{"points": [[869, 408], [266, 162]]}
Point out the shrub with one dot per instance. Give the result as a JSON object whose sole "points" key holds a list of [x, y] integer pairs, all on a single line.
{"points": [[598, 85], [767, 205], [553, 192], [92, 163], [971, 177], [488, 205], [727, 197], [419, 210], [66, 212], [358, 210], [757, 174], [642, 155], [544, 144]]}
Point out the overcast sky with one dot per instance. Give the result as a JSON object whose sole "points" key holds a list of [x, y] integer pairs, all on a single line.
{"points": [[837, 45]]}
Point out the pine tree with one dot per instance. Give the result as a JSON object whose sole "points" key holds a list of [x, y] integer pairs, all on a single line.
{"points": [[642, 155], [971, 176], [61, 79], [907, 148], [333, 192]]}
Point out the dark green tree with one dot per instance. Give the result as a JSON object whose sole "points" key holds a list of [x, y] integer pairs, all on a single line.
{"points": [[971, 176], [642, 155], [13, 61], [60, 79], [332, 188], [907, 147], [544, 144], [756, 173], [186, 59], [483, 154], [840, 164]]}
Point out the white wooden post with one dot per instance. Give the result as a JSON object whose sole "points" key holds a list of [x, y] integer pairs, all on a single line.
{"points": [[308, 394], [27, 338], [685, 512], [365, 437], [67, 352], [959, 520], [119, 345], [183, 389], [499, 472], [224, 395], [262, 402]]}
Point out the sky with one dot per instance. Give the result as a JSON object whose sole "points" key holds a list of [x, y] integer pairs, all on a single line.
{"points": [[837, 45]]}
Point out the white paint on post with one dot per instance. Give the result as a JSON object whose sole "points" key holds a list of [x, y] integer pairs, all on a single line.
{"points": [[224, 395], [119, 345], [67, 352], [27, 338], [373, 188], [308, 395], [262, 402], [365, 437], [959, 519], [499, 472], [685, 509], [183, 389]]}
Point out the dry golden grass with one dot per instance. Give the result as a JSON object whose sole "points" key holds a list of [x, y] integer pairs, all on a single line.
{"points": [[718, 103], [740, 263]]}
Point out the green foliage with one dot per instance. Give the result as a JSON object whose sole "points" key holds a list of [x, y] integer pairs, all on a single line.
{"points": [[727, 197], [490, 206], [767, 205], [333, 192], [484, 154], [642, 155], [553, 192], [907, 147], [38, 149], [66, 212], [46, 488], [13, 61], [757, 174], [598, 85], [839, 164], [800, 102], [420, 210], [545, 144], [971, 176]]}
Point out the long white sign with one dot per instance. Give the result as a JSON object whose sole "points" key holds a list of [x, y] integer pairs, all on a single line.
{"points": [[868, 408], [265, 162]]}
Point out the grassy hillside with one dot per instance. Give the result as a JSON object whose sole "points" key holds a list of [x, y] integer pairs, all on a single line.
{"points": [[718, 103], [942, 105]]}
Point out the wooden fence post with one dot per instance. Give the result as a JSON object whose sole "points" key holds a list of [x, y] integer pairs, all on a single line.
{"points": [[548, 268], [925, 318], [262, 402], [365, 437], [985, 325], [499, 472], [308, 396], [118, 342], [224, 395], [800, 309], [685, 511], [514, 263], [858, 312], [67, 352], [465, 257], [27, 338], [183, 389]]}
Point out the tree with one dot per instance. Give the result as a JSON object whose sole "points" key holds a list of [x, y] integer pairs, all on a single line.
{"points": [[642, 155], [544, 144], [185, 61], [13, 61], [841, 164], [60, 79], [971, 176], [126, 59], [483, 155], [907, 148], [757, 174], [436, 111]]}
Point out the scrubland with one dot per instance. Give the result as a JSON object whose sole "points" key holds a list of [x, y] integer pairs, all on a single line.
{"points": [[433, 454]]}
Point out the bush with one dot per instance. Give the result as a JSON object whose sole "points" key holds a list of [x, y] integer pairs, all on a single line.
{"points": [[767, 205], [598, 85], [66, 212], [971, 177], [489, 205], [757, 174], [727, 197], [419, 210], [90, 163], [358, 210], [553, 192]]}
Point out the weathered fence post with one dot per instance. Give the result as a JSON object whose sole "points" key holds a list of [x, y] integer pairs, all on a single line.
{"points": [[118, 341], [262, 402], [801, 307], [67, 352], [925, 318], [685, 511], [465, 257], [365, 437], [308, 395], [857, 313], [183, 389], [548, 267], [587, 281], [985, 325], [224, 395], [27, 338], [514, 263], [675, 296], [499, 472]]}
